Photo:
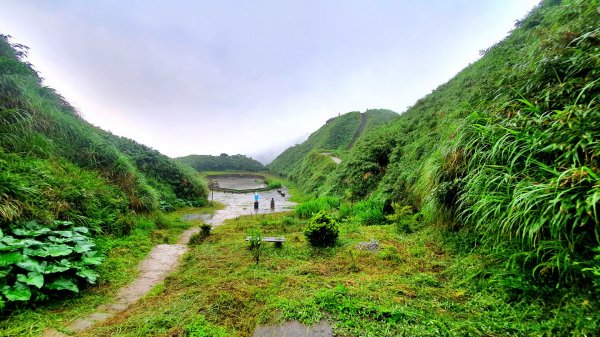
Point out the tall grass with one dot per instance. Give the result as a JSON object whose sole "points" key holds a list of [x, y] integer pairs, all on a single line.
{"points": [[534, 178], [309, 208]]}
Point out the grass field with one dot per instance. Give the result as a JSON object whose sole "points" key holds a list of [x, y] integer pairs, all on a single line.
{"points": [[416, 284]]}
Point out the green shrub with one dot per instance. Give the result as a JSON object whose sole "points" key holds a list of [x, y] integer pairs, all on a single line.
{"points": [[255, 243], [369, 212], [255, 239], [403, 218], [273, 184], [205, 230], [322, 230], [307, 209], [534, 178], [37, 261]]}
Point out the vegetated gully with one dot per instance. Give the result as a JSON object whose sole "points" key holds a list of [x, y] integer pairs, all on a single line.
{"points": [[164, 258]]}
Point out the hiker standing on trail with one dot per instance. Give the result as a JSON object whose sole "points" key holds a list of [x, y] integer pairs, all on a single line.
{"points": [[255, 197], [272, 203]]}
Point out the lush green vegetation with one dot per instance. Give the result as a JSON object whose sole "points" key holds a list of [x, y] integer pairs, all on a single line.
{"points": [[311, 173], [223, 162], [177, 185], [37, 261], [55, 168], [375, 281], [122, 254], [311, 207], [335, 136], [507, 151]]}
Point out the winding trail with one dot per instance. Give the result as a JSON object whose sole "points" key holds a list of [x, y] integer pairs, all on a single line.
{"points": [[335, 159], [164, 258]]}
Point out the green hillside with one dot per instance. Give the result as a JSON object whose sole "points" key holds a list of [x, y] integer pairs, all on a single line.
{"points": [[223, 162], [336, 135], [59, 173], [508, 149]]}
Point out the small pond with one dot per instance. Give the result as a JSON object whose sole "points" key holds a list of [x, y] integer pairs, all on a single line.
{"points": [[240, 203]]}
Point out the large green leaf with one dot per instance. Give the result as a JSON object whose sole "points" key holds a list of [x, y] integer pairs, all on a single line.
{"points": [[83, 230], [33, 278], [63, 284], [13, 242], [30, 264], [90, 259], [58, 250], [58, 267], [6, 259], [59, 240], [33, 225], [63, 223], [41, 252], [18, 292], [83, 247], [20, 243], [66, 234], [88, 274], [30, 232], [79, 237]]}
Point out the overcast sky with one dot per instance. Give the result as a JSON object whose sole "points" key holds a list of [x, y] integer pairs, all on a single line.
{"points": [[250, 77]]}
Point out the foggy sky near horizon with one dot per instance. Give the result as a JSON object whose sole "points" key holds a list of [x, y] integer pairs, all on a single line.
{"points": [[249, 77]]}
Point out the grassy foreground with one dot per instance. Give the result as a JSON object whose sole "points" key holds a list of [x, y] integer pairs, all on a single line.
{"points": [[416, 284], [123, 254]]}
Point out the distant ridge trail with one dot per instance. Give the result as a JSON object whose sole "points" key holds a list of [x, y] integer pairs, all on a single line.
{"points": [[361, 128]]}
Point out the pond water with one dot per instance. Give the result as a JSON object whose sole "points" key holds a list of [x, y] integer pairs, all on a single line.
{"points": [[237, 204], [239, 182]]}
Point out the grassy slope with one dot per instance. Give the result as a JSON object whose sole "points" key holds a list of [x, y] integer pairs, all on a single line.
{"points": [[528, 149], [56, 166], [400, 159], [223, 162], [335, 134], [304, 162], [51, 158]]}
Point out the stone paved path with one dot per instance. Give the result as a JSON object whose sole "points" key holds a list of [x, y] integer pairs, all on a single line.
{"points": [[163, 259]]}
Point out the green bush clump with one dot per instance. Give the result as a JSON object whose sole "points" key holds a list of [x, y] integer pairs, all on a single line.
{"points": [[403, 217], [37, 261], [307, 209], [322, 230], [272, 184], [369, 212]]}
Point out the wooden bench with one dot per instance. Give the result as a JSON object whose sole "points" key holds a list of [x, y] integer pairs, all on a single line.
{"points": [[278, 240]]}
